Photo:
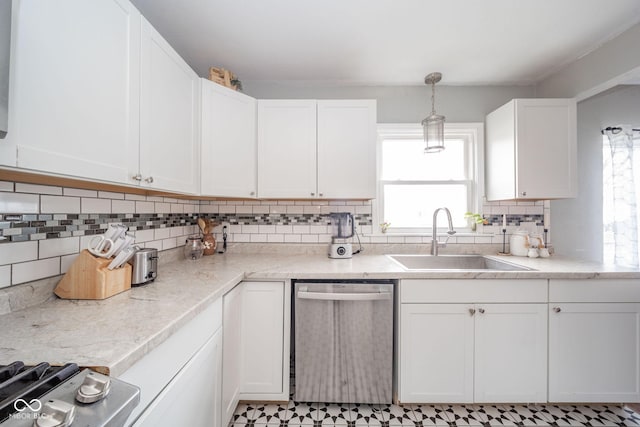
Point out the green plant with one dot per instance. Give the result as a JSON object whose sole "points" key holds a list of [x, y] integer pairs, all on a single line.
{"points": [[384, 226], [475, 217]]}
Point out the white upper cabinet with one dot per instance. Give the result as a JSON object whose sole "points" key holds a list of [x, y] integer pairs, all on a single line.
{"points": [[229, 163], [316, 149], [347, 149], [531, 150], [76, 88], [169, 117], [287, 148]]}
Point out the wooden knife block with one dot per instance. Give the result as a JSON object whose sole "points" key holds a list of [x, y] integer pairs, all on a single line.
{"points": [[89, 278]]}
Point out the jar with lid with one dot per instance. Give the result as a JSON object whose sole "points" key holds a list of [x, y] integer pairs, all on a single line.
{"points": [[519, 243], [193, 248]]}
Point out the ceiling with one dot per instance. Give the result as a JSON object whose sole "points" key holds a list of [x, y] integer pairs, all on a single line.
{"points": [[388, 42]]}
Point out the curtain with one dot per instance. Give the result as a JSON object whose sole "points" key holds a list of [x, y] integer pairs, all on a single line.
{"points": [[621, 176]]}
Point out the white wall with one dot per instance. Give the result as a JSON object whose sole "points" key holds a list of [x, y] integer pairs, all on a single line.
{"points": [[613, 63], [577, 223], [402, 104]]}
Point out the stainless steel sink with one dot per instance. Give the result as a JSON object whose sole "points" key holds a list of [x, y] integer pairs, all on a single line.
{"points": [[454, 262]]}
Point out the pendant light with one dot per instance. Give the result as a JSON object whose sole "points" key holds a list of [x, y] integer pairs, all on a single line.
{"points": [[433, 125]]}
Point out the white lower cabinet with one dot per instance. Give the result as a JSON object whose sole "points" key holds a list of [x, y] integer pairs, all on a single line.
{"points": [[231, 352], [192, 398], [180, 380], [594, 352], [255, 359], [483, 350]]}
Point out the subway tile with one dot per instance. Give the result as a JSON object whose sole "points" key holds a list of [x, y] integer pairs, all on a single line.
{"points": [[250, 229], [464, 239], [177, 231], [162, 233], [517, 210], [395, 239], [177, 208], [534, 210], [292, 238], [337, 203], [66, 261], [145, 207], [19, 203], [241, 238], [11, 231], [59, 204], [286, 202], [260, 209], [234, 228], [209, 209], [324, 238], [123, 206], [79, 192], [378, 239], [163, 207], [483, 239], [88, 205], [144, 235], [309, 238], [258, 238], [6, 186], [110, 195], [11, 253], [266, 229], [319, 229], [275, 238], [302, 203], [363, 210], [135, 197], [295, 209], [413, 239], [311, 210], [156, 244], [34, 270], [169, 243], [56, 247], [320, 203], [244, 209], [284, 229], [155, 199], [301, 229], [5, 276], [171, 200], [38, 189]]}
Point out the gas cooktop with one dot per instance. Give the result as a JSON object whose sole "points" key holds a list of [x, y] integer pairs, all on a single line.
{"points": [[45, 395]]}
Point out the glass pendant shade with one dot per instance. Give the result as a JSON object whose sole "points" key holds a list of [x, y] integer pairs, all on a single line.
{"points": [[433, 125], [433, 128]]}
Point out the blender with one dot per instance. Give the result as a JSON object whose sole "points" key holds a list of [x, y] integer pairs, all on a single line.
{"points": [[342, 229]]}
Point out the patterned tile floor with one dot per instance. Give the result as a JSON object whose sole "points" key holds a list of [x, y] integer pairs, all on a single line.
{"points": [[356, 415]]}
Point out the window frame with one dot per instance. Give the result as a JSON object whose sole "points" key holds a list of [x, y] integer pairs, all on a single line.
{"points": [[473, 133]]}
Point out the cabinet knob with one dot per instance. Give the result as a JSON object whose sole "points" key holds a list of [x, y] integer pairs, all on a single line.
{"points": [[313, 194], [524, 193], [472, 311], [149, 180], [320, 194], [253, 193], [137, 177], [557, 309], [481, 310]]}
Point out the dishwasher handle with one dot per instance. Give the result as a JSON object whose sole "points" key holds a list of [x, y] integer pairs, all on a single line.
{"points": [[329, 296]]}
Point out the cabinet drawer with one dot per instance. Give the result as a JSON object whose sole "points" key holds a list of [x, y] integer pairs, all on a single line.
{"points": [[473, 290], [599, 290]]}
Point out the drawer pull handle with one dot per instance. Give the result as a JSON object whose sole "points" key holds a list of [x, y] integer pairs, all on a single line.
{"points": [[472, 311], [557, 309], [481, 310]]}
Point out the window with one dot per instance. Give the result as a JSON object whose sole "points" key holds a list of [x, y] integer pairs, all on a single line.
{"points": [[412, 185]]}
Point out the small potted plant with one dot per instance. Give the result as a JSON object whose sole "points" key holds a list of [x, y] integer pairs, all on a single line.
{"points": [[474, 219], [384, 226]]}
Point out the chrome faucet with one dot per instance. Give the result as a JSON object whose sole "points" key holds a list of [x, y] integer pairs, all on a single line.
{"points": [[434, 235]]}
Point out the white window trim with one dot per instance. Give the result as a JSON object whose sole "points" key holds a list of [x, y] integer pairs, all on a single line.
{"points": [[468, 131]]}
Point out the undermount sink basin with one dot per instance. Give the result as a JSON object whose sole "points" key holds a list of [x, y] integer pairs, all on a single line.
{"points": [[453, 262]]}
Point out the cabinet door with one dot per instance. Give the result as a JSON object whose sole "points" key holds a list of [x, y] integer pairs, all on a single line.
{"points": [[287, 148], [193, 396], [347, 149], [262, 337], [77, 89], [546, 138], [510, 353], [436, 353], [594, 352], [231, 352], [169, 111], [229, 164]]}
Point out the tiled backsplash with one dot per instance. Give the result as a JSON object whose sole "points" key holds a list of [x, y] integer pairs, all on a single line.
{"points": [[43, 228]]}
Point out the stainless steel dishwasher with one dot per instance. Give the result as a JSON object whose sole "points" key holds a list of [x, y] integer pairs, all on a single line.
{"points": [[343, 341]]}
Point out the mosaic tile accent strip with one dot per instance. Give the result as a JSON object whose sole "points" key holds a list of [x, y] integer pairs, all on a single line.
{"points": [[25, 227], [515, 219], [284, 219]]}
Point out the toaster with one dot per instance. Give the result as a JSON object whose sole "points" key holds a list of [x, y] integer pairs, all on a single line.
{"points": [[145, 266]]}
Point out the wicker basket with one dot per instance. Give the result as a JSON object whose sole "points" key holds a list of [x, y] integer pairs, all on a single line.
{"points": [[225, 78]]}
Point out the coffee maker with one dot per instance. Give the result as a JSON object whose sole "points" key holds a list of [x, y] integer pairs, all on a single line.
{"points": [[342, 227]]}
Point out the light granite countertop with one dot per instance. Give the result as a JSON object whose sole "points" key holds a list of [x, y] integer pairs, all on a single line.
{"points": [[112, 334]]}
